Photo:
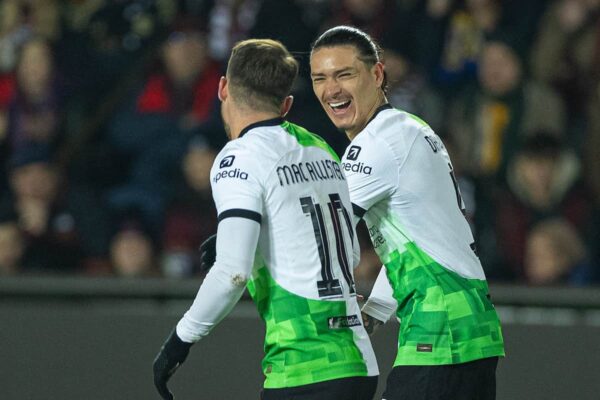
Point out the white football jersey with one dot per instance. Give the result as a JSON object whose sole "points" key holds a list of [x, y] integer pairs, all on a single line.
{"points": [[402, 183], [299, 194], [291, 182], [398, 168]]}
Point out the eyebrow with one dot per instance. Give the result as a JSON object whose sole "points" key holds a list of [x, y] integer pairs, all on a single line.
{"points": [[336, 72]]}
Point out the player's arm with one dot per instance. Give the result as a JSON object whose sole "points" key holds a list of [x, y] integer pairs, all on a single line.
{"points": [[380, 305], [218, 294], [225, 282], [370, 170], [372, 173], [238, 197]]}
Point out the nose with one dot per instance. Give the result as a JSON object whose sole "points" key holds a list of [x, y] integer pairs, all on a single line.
{"points": [[332, 88]]}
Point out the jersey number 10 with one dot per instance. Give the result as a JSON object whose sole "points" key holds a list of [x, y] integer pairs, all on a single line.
{"points": [[329, 286]]}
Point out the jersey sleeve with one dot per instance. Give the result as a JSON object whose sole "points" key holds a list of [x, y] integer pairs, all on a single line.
{"points": [[371, 171], [381, 303], [237, 192], [236, 184], [225, 282]]}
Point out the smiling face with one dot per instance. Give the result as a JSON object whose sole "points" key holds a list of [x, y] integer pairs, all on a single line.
{"points": [[348, 89]]}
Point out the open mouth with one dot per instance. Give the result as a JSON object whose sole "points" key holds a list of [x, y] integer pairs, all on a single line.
{"points": [[340, 106]]}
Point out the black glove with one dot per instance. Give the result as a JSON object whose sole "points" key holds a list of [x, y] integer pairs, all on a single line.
{"points": [[371, 323], [172, 354], [208, 253]]}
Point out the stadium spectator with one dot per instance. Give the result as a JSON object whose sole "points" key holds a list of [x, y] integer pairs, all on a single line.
{"points": [[468, 27], [151, 130], [22, 19], [566, 52], [35, 110], [490, 119], [30, 104], [64, 227], [191, 217], [556, 254], [132, 250], [543, 181], [567, 55]]}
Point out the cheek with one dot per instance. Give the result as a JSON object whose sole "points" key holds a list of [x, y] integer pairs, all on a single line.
{"points": [[362, 92], [318, 91]]}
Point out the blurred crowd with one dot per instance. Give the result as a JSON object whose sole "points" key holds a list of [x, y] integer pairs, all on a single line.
{"points": [[109, 124]]}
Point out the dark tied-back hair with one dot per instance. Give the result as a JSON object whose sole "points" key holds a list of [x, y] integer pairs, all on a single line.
{"points": [[368, 50], [261, 73]]}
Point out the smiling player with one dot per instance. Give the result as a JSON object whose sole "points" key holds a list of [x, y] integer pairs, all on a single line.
{"points": [[402, 184]]}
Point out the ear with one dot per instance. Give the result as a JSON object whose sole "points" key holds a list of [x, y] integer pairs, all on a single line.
{"points": [[377, 70], [286, 106], [223, 91]]}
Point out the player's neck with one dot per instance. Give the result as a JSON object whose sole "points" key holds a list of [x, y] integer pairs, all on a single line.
{"points": [[381, 100], [245, 118]]}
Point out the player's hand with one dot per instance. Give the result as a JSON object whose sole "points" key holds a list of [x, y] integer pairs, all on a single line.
{"points": [[208, 253], [170, 357], [370, 323]]}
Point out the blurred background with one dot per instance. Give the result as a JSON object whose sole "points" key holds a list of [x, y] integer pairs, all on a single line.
{"points": [[109, 124]]}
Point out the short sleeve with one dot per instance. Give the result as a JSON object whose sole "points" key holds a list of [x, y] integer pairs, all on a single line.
{"points": [[371, 170], [236, 184]]}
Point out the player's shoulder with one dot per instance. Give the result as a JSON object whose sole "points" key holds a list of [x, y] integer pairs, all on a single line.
{"points": [[303, 137], [393, 122], [367, 154], [237, 161], [396, 130], [235, 151], [255, 147]]}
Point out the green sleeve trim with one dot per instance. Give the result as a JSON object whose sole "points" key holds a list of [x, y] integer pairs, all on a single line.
{"points": [[419, 120], [414, 117], [306, 138]]}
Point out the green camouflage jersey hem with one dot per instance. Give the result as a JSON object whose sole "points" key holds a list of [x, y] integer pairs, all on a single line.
{"points": [[444, 318], [300, 347]]}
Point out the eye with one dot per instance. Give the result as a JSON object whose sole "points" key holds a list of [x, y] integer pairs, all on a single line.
{"points": [[318, 79], [344, 75]]}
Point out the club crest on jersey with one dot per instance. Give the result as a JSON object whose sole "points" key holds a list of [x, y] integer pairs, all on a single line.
{"points": [[227, 162], [353, 152]]}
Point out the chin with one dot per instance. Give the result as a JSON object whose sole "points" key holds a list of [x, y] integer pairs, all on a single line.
{"points": [[340, 124]]}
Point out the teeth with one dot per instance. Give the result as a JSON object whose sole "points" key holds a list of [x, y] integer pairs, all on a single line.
{"points": [[339, 104]]}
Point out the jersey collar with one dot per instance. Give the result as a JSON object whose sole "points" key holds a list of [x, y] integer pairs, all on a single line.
{"points": [[386, 106], [268, 122]]}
